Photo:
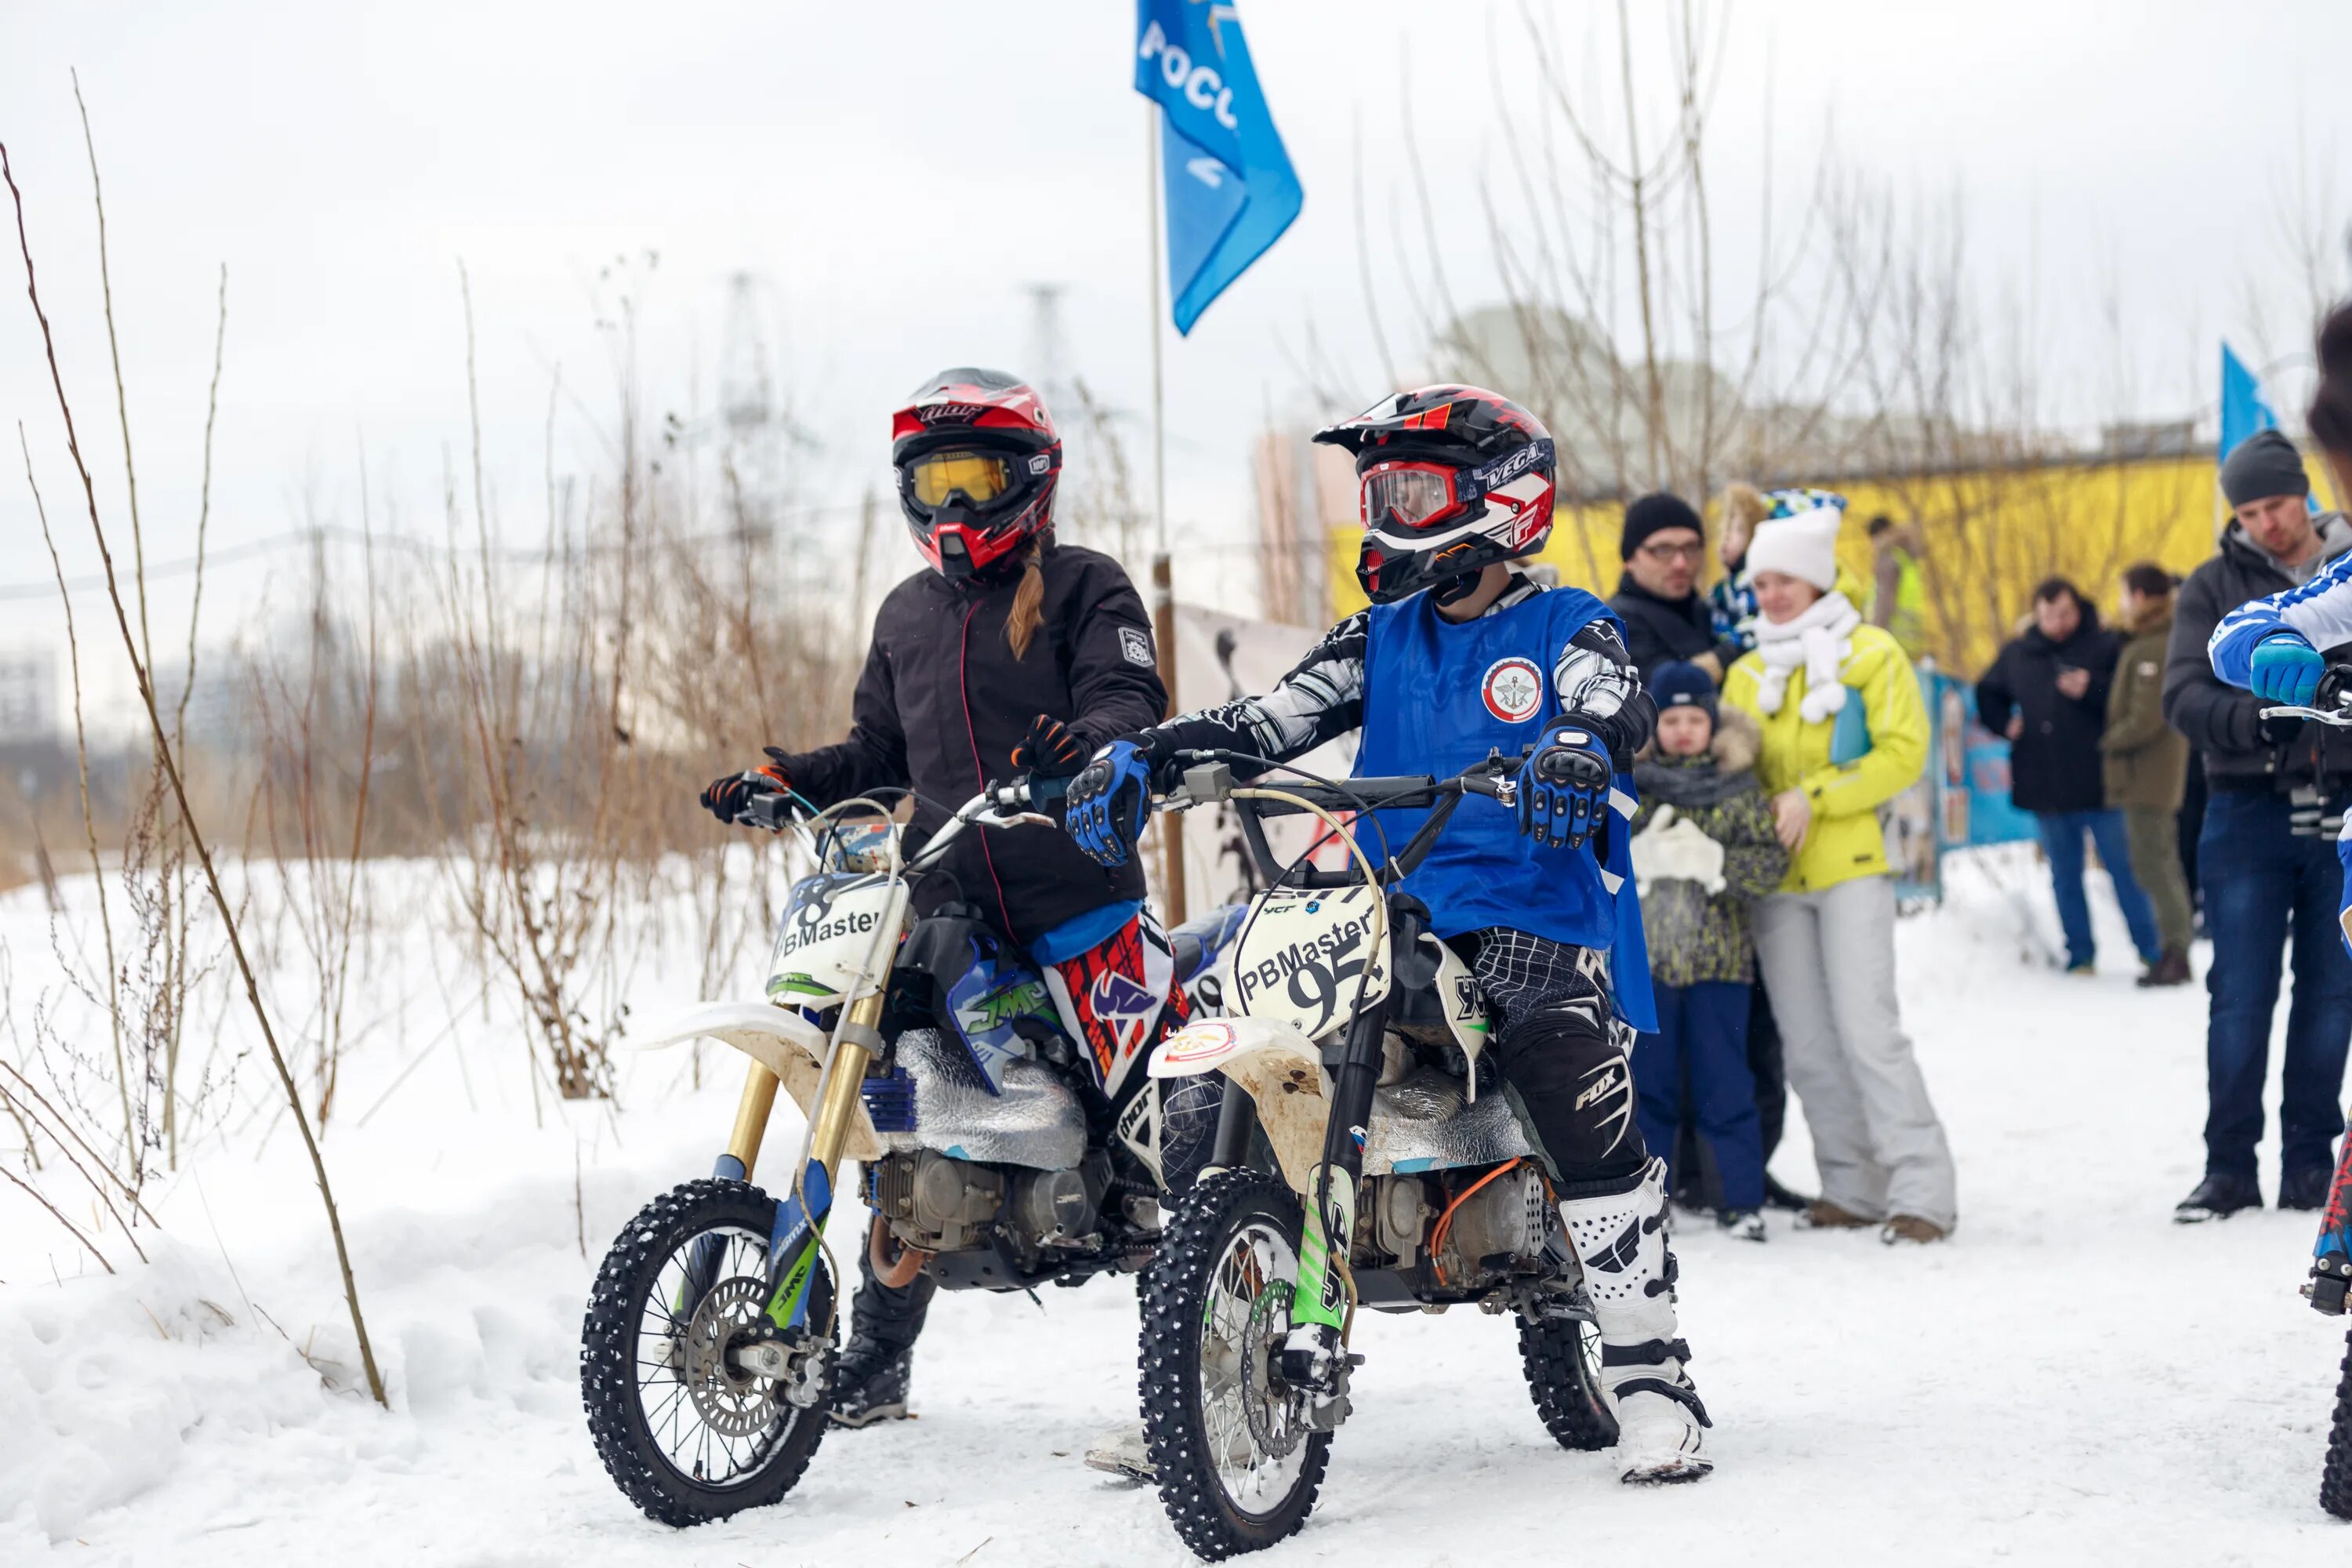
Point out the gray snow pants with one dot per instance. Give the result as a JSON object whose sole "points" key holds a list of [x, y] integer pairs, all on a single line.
{"points": [[1829, 962]]}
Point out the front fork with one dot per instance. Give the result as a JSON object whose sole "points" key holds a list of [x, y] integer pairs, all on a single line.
{"points": [[2331, 1255], [799, 1233], [1314, 1355]]}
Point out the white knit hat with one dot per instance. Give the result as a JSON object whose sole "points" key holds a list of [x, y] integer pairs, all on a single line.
{"points": [[1803, 544]]}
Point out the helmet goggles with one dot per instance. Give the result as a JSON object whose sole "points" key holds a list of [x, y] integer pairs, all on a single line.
{"points": [[979, 476], [1418, 496]]}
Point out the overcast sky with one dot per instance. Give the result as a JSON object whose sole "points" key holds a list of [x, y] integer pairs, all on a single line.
{"points": [[894, 174]]}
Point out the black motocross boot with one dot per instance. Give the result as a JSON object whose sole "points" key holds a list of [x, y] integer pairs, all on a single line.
{"points": [[870, 1382]]}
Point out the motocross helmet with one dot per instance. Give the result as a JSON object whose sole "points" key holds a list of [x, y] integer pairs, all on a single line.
{"points": [[1455, 478], [977, 456]]}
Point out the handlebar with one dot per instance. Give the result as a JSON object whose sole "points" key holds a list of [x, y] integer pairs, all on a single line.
{"points": [[1209, 778], [996, 805]]}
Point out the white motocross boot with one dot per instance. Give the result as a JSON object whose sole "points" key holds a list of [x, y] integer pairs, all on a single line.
{"points": [[1620, 1238]]}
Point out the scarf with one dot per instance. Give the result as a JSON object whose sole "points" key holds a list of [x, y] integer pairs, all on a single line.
{"points": [[1817, 642], [1689, 782]]}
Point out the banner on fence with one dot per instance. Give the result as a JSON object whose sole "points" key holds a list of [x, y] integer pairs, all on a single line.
{"points": [[1960, 801]]}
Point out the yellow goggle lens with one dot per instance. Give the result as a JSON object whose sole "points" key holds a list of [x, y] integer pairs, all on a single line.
{"points": [[982, 478]]}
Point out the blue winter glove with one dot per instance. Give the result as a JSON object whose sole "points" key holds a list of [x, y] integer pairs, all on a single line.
{"points": [[2286, 669], [1564, 787], [1109, 802]]}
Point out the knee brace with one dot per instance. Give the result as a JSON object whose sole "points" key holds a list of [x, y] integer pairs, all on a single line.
{"points": [[1568, 1064]]}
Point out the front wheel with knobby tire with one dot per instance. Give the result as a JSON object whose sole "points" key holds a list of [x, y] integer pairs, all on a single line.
{"points": [[1237, 1464], [1562, 1354], [2335, 1480], [699, 1406]]}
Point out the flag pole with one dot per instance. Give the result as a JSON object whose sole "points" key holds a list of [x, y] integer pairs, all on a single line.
{"points": [[1163, 591]]}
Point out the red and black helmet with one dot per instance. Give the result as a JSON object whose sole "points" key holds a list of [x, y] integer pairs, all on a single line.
{"points": [[1455, 478], [977, 456]]}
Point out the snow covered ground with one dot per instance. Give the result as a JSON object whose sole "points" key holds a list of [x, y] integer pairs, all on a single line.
{"points": [[2073, 1379]]}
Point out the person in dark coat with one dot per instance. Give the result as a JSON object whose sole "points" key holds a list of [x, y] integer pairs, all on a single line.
{"points": [[2047, 693], [2271, 879], [1666, 619]]}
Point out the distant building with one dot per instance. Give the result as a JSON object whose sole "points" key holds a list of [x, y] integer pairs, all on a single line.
{"points": [[28, 696]]}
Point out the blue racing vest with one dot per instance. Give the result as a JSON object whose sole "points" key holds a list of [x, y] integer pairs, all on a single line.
{"points": [[1438, 696]]}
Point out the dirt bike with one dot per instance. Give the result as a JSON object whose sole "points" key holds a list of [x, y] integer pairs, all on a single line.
{"points": [[932, 1051], [1355, 1045], [2331, 1255]]}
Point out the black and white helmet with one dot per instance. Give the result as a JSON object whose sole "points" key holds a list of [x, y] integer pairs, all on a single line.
{"points": [[1455, 478]]}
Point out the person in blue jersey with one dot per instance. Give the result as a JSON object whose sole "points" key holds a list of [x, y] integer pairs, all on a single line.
{"points": [[2278, 597], [1458, 654]]}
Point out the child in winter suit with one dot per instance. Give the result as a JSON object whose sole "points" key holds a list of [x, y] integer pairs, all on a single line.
{"points": [[1704, 846]]}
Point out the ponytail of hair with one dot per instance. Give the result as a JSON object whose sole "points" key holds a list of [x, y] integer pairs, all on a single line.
{"points": [[1028, 603]]}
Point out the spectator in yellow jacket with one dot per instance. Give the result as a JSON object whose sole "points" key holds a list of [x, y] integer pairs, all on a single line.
{"points": [[1843, 732]]}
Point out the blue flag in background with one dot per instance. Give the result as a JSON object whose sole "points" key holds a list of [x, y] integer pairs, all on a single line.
{"points": [[2244, 412], [1230, 189]]}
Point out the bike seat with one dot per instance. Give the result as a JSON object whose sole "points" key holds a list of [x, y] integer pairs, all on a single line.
{"points": [[1197, 943]]}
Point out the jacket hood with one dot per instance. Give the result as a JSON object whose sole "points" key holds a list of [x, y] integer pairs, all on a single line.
{"points": [[2154, 617], [1629, 588], [2089, 631], [2334, 539], [1737, 744]]}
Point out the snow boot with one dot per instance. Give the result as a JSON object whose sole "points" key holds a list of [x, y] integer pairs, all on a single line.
{"points": [[1620, 1238], [2218, 1197], [1747, 1224], [1912, 1228], [869, 1383], [1823, 1214], [2305, 1189], [1119, 1451]]}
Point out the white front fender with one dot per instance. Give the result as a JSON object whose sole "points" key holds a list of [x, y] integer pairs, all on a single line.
{"points": [[1278, 1066], [780, 1040]]}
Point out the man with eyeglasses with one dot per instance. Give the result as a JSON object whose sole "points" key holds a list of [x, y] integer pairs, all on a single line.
{"points": [[1664, 549]]}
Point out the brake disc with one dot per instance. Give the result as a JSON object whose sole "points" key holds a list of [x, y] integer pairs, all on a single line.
{"points": [[732, 1401], [1276, 1423]]}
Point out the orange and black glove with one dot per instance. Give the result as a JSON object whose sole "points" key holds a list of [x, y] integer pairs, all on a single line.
{"points": [[1049, 751], [727, 797]]}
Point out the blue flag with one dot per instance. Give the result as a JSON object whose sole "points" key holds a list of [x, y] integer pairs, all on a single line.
{"points": [[1230, 189], [2244, 412]]}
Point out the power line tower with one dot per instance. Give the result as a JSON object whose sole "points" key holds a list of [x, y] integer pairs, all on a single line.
{"points": [[1046, 370]]}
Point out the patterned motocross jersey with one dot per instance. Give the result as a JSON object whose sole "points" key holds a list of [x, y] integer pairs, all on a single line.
{"points": [[1593, 682]]}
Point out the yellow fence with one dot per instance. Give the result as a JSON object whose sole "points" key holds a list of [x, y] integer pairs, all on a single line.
{"points": [[1990, 537]]}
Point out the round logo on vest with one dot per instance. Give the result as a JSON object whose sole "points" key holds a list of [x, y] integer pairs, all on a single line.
{"points": [[1513, 690]]}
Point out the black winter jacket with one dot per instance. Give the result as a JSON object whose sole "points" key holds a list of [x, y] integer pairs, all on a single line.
{"points": [[943, 702], [2054, 764], [2240, 749], [1659, 631]]}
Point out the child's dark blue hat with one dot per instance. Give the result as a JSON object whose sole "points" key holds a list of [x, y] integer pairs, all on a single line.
{"points": [[1677, 684]]}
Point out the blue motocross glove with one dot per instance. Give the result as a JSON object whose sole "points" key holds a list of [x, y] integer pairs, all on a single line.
{"points": [[1108, 801], [2286, 669], [1564, 787]]}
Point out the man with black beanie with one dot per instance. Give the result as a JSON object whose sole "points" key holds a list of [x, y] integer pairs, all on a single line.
{"points": [[1666, 619], [2278, 788]]}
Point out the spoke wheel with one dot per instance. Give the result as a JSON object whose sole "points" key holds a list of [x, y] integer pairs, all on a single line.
{"points": [[1237, 1464], [688, 1429], [2336, 1479], [1561, 1355]]}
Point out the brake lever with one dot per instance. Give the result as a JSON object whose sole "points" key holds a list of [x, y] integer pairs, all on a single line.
{"points": [[2334, 718]]}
